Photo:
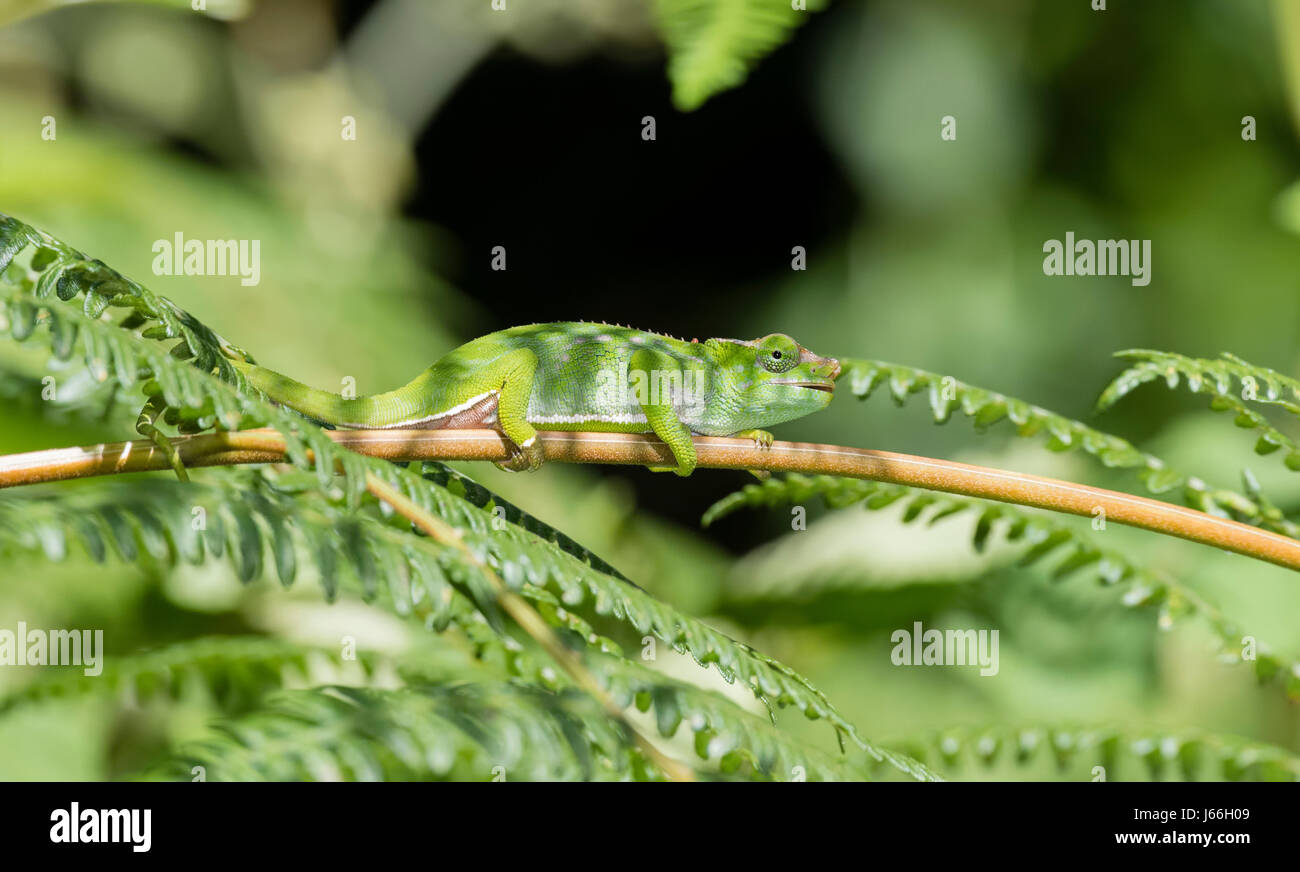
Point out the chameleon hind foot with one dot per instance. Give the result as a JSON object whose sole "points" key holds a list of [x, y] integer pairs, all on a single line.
{"points": [[526, 458], [669, 469], [685, 466]]}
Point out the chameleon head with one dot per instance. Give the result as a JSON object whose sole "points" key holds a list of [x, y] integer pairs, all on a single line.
{"points": [[769, 381]]}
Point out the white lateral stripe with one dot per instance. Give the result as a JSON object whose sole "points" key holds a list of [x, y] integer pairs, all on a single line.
{"points": [[468, 404], [623, 418]]}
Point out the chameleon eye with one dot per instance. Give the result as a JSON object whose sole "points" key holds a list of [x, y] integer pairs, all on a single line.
{"points": [[778, 353], [777, 361]]}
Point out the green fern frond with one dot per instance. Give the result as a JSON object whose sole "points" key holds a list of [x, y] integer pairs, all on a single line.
{"points": [[466, 488], [124, 356], [56, 269], [712, 44], [1039, 536], [730, 740], [195, 400], [140, 521], [489, 730], [191, 381], [1231, 384], [985, 408], [413, 570], [1186, 754], [249, 515], [236, 671], [450, 732], [519, 557], [417, 573]]}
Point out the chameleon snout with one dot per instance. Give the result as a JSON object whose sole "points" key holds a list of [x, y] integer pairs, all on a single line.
{"points": [[824, 366]]}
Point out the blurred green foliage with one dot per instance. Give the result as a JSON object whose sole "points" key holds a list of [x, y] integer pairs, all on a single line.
{"points": [[1118, 124]]}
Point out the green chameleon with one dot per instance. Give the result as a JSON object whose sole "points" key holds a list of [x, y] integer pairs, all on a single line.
{"points": [[586, 376]]}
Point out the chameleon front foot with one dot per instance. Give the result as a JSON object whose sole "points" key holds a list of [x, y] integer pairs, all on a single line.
{"points": [[526, 458], [762, 438]]}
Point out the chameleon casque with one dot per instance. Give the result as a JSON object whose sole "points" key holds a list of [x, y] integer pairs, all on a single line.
{"points": [[587, 376]]}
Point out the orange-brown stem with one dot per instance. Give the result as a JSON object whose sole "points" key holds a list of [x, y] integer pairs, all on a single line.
{"points": [[267, 446]]}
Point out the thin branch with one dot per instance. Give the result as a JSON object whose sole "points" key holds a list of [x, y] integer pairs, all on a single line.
{"points": [[527, 618], [268, 446]]}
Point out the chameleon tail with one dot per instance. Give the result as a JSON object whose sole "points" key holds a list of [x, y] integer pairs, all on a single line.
{"points": [[144, 425], [375, 411], [321, 405]]}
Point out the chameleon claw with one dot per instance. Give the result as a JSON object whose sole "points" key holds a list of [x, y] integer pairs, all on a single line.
{"points": [[762, 438], [526, 458]]}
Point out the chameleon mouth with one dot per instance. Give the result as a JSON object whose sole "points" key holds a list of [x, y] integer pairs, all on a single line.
{"points": [[827, 387]]}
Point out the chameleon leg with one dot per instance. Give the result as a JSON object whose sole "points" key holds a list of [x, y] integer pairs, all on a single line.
{"points": [[144, 425], [762, 439], [512, 375], [659, 412]]}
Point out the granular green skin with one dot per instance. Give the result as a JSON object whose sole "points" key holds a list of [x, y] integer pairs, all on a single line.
{"points": [[588, 376]]}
